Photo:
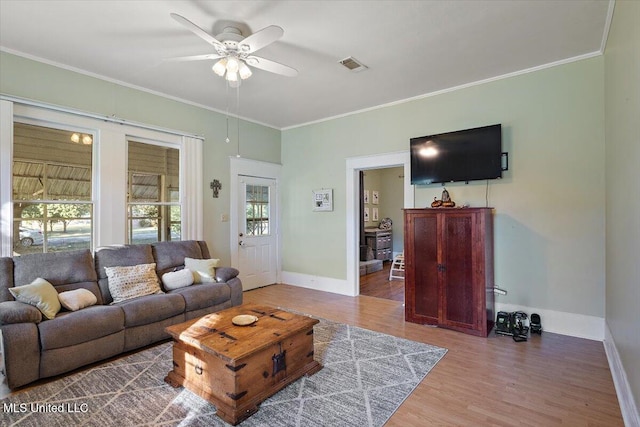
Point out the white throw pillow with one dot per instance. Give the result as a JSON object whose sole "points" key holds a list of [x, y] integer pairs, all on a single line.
{"points": [[131, 282], [177, 279], [204, 270], [77, 299], [40, 294]]}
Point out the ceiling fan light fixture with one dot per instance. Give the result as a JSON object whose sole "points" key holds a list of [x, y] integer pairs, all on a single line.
{"points": [[220, 67], [232, 76], [245, 71], [233, 65]]}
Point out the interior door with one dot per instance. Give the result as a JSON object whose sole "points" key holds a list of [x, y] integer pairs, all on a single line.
{"points": [[257, 231]]}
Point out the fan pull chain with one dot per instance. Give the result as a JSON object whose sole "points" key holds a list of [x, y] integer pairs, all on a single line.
{"points": [[238, 117], [227, 99]]}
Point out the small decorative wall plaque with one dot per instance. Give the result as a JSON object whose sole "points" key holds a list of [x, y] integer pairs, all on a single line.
{"points": [[323, 200], [216, 187]]}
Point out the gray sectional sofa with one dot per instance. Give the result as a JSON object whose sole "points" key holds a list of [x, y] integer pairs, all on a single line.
{"points": [[34, 348]]}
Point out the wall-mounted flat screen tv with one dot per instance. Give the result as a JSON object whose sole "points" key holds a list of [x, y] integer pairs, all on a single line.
{"points": [[466, 155]]}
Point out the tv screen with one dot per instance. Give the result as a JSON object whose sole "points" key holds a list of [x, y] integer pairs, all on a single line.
{"points": [[466, 155]]}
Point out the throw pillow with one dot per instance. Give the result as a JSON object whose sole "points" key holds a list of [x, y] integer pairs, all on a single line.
{"points": [[77, 299], [204, 270], [133, 281], [40, 294], [177, 279]]}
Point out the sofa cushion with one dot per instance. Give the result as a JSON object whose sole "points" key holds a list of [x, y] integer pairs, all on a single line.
{"points": [[77, 299], [204, 295], [132, 281], [170, 255], [224, 274], [177, 279], [40, 294], [64, 270], [6, 278], [204, 270], [18, 312], [118, 255], [151, 309], [75, 327]]}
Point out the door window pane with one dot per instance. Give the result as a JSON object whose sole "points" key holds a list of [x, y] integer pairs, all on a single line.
{"points": [[52, 209], [257, 210]]}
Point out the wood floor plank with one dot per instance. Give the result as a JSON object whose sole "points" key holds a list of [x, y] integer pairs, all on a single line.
{"points": [[549, 380]]}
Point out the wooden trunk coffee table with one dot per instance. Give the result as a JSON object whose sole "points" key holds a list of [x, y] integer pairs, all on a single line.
{"points": [[238, 367]]}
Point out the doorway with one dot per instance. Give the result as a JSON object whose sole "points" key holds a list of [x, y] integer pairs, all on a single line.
{"points": [[354, 166], [382, 233]]}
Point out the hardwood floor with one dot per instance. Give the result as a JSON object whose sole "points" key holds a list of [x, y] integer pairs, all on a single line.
{"points": [[550, 380], [378, 285]]}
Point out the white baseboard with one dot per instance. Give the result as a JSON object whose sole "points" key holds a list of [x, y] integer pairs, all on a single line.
{"points": [[572, 324], [319, 283], [628, 406], [559, 322]]}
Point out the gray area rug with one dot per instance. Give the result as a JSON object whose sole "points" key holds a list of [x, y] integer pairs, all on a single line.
{"points": [[365, 378]]}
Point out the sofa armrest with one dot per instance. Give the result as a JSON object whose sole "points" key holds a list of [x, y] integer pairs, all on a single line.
{"points": [[18, 312], [224, 274]]}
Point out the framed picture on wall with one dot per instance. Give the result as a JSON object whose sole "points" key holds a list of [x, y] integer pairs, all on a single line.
{"points": [[366, 214], [374, 214], [366, 196], [375, 197], [323, 200]]}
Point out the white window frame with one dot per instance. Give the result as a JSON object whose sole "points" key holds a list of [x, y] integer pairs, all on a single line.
{"points": [[180, 180], [109, 169]]}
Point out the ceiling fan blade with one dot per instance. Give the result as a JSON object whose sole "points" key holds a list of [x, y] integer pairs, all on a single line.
{"points": [[260, 39], [196, 30], [196, 57], [271, 66]]}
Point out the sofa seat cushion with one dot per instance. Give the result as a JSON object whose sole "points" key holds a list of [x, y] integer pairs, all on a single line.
{"points": [[204, 295], [76, 327], [151, 308]]}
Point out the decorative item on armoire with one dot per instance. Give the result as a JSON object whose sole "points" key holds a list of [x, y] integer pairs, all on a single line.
{"points": [[446, 199], [444, 202]]}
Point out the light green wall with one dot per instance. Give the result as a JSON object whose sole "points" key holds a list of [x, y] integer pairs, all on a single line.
{"points": [[549, 208], [622, 118], [45, 83]]}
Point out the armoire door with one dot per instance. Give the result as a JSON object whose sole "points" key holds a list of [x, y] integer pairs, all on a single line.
{"points": [[457, 269], [421, 269]]}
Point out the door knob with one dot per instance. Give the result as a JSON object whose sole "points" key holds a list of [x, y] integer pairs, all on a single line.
{"points": [[241, 234], [241, 243]]}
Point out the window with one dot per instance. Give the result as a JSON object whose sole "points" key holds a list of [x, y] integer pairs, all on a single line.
{"points": [[153, 193], [51, 189], [257, 209], [66, 181]]}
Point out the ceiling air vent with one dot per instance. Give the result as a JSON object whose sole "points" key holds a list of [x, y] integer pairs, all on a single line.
{"points": [[353, 64]]}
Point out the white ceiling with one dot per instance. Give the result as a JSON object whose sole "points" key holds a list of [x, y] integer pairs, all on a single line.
{"points": [[412, 48]]}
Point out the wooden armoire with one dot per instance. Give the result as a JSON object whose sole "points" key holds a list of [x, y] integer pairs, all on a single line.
{"points": [[449, 268]]}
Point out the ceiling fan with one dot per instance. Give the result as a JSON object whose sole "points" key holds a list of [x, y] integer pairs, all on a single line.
{"points": [[235, 52]]}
